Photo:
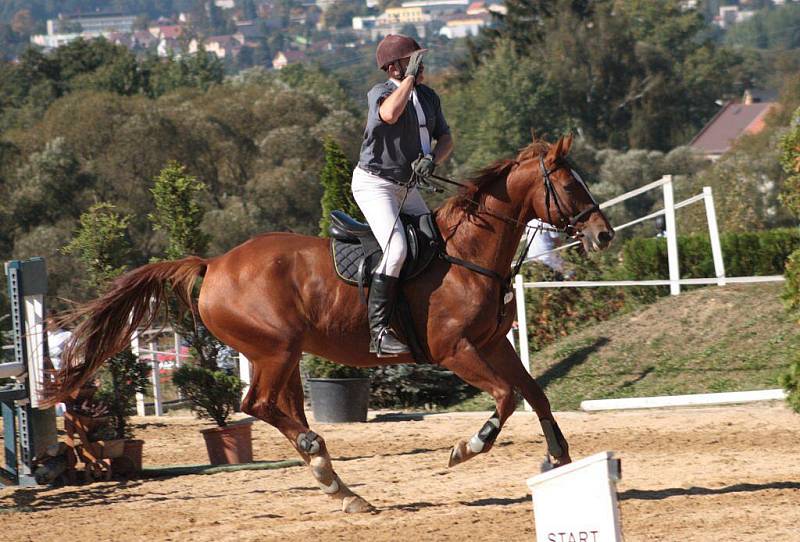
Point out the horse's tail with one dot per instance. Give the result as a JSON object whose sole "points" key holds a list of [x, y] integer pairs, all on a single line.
{"points": [[105, 326]]}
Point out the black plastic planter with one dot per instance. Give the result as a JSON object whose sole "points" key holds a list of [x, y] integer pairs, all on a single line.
{"points": [[339, 400]]}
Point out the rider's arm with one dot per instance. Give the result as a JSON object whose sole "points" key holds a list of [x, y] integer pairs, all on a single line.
{"points": [[394, 105], [443, 149]]}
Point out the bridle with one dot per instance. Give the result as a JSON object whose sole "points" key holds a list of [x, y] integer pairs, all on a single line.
{"points": [[570, 222], [570, 227]]}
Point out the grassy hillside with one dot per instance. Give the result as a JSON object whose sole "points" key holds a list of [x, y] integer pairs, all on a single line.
{"points": [[735, 338], [707, 340]]}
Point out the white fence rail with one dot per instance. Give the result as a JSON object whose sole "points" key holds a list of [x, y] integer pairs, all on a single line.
{"points": [[673, 281], [665, 182]]}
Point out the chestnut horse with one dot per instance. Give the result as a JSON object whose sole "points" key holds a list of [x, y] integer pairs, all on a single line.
{"points": [[277, 295]]}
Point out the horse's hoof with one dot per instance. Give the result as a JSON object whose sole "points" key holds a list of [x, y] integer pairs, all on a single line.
{"points": [[459, 453], [561, 461], [356, 505]]}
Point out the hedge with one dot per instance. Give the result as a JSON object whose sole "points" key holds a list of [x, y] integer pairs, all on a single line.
{"points": [[744, 254]]}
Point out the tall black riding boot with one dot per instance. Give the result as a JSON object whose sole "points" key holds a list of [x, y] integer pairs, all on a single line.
{"points": [[381, 303]]}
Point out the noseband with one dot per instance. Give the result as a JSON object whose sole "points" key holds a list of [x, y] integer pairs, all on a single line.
{"points": [[550, 192]]}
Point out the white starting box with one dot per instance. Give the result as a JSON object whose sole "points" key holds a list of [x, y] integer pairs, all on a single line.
{"points": [[578, 502]]}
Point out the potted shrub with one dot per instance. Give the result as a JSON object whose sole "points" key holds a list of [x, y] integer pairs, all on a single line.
{"points": [[214, 395], [122, 377], [102, 245], [339, 394]]}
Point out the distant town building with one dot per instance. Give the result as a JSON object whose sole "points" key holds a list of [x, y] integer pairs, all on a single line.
{"points": [[438, 7], [144, 39], [731, 15], [364, 23], [67, 28], [225, 4], [170, 32], [403, 15], [251, 29], [223, 46], [98, 24], [732, 121], [168, 47], [284, 58], [463, 27]]}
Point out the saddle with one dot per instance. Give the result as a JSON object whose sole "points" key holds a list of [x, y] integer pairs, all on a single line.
{"points": [[356, 254]]}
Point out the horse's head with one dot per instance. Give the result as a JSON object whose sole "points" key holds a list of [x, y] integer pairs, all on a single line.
{"points": [[556, 194]]}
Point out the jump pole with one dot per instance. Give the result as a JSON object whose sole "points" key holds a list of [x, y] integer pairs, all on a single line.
{"points": [[578, 502], [27, 429]]}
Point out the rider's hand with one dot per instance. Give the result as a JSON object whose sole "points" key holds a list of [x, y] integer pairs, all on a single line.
{"points": [[414, 63], [424, 165]]}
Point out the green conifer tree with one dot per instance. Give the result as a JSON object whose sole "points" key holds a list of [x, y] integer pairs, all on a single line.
{"points": [[336, 177], [179, 214], [102, 245]]}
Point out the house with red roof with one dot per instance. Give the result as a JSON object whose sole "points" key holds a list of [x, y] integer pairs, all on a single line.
{"points": [[168, 32], [732, 121]]}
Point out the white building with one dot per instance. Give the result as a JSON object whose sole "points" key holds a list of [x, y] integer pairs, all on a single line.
{"points": [[364, 23], [83, 26], [463, 27], [731, 15], [438, 7], [97, 24]]}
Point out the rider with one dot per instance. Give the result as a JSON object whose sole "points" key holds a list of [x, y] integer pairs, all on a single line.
{"points": [[406, 133]]}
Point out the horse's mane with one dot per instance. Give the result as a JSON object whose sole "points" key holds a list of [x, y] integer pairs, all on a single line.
{"points": [[467, 201]]}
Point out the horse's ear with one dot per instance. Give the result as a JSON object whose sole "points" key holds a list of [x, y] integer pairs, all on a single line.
{"points": [[556, 150], [567, 145]]}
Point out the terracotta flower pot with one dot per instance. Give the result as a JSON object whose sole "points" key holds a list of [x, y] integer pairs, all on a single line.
{"points": [[133, 451], [229, 445]]}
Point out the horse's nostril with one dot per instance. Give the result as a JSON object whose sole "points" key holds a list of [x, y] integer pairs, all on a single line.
{"points": [[605, 237]]}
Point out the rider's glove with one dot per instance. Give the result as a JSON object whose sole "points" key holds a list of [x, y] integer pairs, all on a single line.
{"points": [[414, 63], [424, 166]]}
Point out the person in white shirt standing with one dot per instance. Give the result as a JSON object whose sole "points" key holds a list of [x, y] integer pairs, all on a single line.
{"points": [[545, 240], [406, 134]]}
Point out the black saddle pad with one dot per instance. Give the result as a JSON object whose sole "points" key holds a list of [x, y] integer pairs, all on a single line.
{"points": [[355, 258]]}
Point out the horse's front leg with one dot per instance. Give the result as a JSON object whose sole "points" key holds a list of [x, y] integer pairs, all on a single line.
{"points": [[471, 367], [505, 361]]}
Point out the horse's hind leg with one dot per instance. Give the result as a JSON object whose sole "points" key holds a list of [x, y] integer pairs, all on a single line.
{"points": [[276, 396], [470, 366], [505, 360]]}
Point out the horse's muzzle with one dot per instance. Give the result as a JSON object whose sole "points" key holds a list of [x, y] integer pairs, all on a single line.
{"points": [[595, 241]]}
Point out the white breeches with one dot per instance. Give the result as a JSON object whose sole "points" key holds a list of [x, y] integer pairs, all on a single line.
{"points": [[379, 200]]}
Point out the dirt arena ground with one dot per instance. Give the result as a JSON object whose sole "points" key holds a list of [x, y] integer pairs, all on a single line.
{"points": [[725, 473]]}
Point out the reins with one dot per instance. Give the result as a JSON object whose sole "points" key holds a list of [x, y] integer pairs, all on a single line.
{"points": [[425, 184]]}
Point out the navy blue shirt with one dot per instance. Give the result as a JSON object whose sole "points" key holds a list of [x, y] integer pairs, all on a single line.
{"points": [[389, 149]]}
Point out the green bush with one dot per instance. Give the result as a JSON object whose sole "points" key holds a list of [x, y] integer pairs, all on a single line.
{"points": [[744, 254], [318, 367], [790, 381], [555, 312], [212, 395], [122, 377], [411, 385]]}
